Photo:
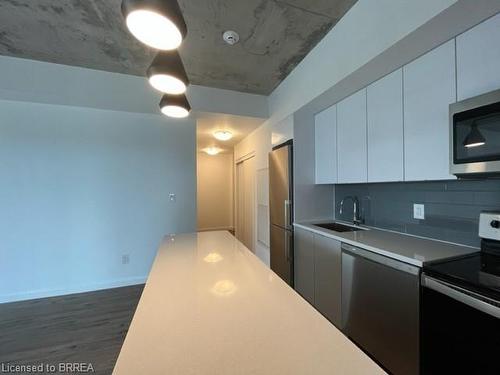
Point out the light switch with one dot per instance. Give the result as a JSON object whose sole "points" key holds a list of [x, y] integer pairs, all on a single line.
{"points": [[419, 211], [125, 259]]}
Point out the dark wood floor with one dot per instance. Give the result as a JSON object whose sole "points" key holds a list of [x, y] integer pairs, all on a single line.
{"points": [[86, 327]]}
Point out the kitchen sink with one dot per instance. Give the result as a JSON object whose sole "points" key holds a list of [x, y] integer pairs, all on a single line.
{"points": [[337, 227]]}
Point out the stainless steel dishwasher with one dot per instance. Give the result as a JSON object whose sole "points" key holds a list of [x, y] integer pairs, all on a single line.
{"points": [[381, 308]]}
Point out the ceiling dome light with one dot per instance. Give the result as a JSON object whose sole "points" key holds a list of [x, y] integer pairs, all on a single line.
{"points": [[167, 74], [474, 138], [176, 106], [156, 23], [223, 135], [212, 150]]}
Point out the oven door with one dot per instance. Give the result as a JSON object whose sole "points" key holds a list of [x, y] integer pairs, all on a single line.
{"points": [[460, 330], [475, 135]]}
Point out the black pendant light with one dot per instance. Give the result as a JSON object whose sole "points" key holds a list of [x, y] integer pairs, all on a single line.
{"points": [[474, 138], [176, 106], [167, 74], [156, 23]]}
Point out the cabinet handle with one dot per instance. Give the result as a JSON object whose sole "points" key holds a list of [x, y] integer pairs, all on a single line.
{"points": [[469, 298], [381, 259]]}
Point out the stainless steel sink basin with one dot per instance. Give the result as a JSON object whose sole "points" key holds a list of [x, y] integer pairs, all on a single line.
{"points": [[337, 227]]}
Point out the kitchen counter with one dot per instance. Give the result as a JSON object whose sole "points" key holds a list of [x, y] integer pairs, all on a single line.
{"points": [[210, 306], [406, 248]]}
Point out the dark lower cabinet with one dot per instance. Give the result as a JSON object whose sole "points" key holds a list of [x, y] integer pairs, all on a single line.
{"points": [[328, 278], [317, 263], [303, 262]]}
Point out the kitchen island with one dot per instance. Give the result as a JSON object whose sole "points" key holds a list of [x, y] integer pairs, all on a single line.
{"points": [[210, 306]]}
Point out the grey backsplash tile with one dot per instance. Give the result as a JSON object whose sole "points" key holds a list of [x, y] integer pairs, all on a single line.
{"points": [[451, 207]]}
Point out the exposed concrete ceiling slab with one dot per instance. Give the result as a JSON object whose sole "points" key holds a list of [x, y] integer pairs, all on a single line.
{"points": [[274, 37]]}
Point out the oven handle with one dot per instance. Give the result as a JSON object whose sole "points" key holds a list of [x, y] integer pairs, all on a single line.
{"points": [[474, 300]]}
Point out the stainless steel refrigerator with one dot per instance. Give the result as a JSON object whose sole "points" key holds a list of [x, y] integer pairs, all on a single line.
{"points": [[281, 211]]}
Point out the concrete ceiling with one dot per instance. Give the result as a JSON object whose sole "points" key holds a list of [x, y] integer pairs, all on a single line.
{"points": [[275, 36]]}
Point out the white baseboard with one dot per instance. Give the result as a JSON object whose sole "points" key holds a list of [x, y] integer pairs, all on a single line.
{"points": [[214, 229], [44, 293]]}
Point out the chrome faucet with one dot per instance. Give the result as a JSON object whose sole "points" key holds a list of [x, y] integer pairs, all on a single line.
{"points": [[356, 220]]}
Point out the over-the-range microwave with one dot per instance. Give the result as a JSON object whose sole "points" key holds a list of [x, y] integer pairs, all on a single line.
{"points": [[475, 136]]}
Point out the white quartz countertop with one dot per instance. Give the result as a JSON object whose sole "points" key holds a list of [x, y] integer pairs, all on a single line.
{"points": [[211, 307], [406, 248]]}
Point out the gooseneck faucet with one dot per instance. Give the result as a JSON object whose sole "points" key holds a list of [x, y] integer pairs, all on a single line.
{"points": [[355, 208]]}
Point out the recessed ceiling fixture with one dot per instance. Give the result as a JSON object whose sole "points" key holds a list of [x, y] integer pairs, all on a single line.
{"points": [[212, 150], [176, 106], [474, 138], [167, 74], [156, 23], [223, 135], [231, 37]]}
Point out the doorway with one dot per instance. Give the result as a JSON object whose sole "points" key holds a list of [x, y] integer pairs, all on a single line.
{"points": [[245, 202]]}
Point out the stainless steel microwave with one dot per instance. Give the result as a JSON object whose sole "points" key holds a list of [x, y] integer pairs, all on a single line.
{"points": [[475, 136]]}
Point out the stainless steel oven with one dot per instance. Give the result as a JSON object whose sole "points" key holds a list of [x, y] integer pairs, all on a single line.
{"points": [[460, 309], [475, 136]]}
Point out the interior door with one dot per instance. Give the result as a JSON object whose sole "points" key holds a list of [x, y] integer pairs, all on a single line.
{"points": [[245, 202]]}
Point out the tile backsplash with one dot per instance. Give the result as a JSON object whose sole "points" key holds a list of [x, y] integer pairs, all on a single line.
{"points": [[451, 207]]}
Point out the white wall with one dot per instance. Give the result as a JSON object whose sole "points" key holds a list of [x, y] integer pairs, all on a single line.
{"points": [[87, 163], [86, 167], [215, 191], [81, 187]]}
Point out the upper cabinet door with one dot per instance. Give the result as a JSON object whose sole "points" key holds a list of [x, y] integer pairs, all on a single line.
{"points": [[325, 135], [385, 128], [429, 89], [351, 138], [478, 59]]}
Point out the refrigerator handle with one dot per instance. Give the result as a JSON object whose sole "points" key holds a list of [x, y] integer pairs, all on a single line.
{"points": [[288, 205]]}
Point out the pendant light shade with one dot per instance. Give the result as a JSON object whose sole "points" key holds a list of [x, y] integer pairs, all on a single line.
{"points": [[156, 23], [176, 106], [474, 138], [167, 74]]}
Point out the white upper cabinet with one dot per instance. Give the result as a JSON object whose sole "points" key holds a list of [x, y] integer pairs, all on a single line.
{"points": [[325, 134], [385, 128], [478, 59], [429, 88], [351, 139]]}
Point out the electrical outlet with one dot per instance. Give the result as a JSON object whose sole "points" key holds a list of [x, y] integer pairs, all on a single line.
{"points": [[418, 211], [172, 197], [125, 259]]}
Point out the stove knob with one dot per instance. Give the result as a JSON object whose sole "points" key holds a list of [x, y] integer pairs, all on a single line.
{"points": [[495, 224]]}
